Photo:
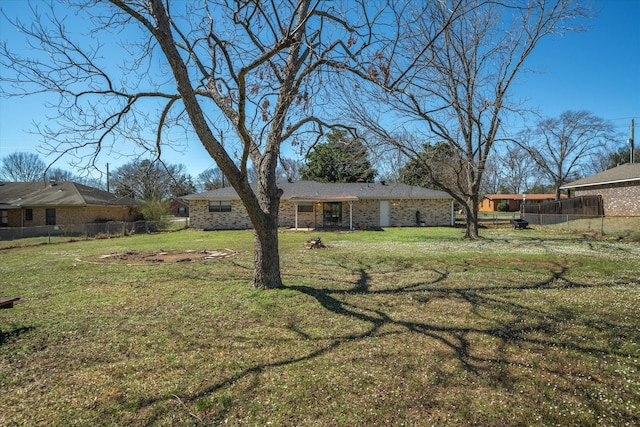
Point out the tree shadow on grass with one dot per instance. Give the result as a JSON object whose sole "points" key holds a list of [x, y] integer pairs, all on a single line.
{"points": [[536, 330], [524, 325], [480, 298], [14, 333]]}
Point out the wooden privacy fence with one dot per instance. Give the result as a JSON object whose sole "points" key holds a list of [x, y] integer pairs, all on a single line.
{"points": [[563, 210]]}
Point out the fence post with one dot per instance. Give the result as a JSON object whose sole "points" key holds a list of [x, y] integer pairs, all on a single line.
{"points": [[602, 225]]}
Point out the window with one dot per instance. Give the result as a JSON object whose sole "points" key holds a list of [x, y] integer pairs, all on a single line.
{"points": [[332, 214], [306, 207], [28, 214], [182, 210], [50, 216], [4, 214], [220, 206]]}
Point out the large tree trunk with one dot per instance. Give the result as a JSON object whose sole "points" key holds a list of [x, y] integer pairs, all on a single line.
{"points": [[557, 189], [263, 210], [266, 261], [471, 209], [262, 207]]}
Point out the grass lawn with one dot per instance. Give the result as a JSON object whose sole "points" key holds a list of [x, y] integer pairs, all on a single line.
{"points": [[413, 326]]}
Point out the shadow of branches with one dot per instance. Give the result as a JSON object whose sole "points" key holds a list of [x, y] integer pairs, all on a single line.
{"points": [[519, 323], [6, 336]]}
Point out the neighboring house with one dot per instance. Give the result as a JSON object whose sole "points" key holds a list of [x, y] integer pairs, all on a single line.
{"points": [[28, 204], [179, 208], [619, 188], [309, 204], [490, 202]]}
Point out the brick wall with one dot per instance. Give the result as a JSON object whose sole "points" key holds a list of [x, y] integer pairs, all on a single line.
{"points": [[14, 216], [72, 215], [432, 212], [366, 212], [200, 217], [622, 199]]}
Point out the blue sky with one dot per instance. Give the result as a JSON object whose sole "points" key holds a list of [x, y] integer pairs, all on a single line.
{"points": [[597, 70]]}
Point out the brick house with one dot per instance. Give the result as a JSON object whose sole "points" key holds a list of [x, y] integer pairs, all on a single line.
{"points": [[309, 204], [619, 188], [490, 202], [179, 208], [29, 204]]}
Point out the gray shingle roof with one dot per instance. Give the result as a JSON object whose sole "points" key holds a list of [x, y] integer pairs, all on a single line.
{"points": [[311, 190], [26, 194], [627, 172]]}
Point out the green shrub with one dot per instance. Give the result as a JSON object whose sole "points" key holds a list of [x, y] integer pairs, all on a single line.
{"points": [[154, 209]]}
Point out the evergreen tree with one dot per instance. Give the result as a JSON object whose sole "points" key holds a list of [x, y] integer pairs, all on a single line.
{"points": [[432, 166], [340, 159], [622, 156]]}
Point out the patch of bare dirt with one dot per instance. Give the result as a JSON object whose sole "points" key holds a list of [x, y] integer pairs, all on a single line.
{"points": [[145, 258]]}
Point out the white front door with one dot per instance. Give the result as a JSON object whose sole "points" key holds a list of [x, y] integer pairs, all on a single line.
{"points": [[385, 213]]}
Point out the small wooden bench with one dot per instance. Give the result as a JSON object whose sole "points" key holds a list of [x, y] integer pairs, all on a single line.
{"points": [[7, 302]]}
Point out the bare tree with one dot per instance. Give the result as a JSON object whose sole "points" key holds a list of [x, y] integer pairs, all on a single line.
{"points": [[62, 175], [492, 177], [388, 161], [516, 169], [449, 78], [22, 167], [564, 148], [252, 67], [289, 169], [210, 179], [146, 179]]}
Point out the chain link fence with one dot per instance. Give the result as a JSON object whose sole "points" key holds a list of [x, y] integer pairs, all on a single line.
{"points": [[600, 225], [615, 226], [93, 230]]}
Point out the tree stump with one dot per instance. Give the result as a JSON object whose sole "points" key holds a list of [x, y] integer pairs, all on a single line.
{"points": [[314, 243]]}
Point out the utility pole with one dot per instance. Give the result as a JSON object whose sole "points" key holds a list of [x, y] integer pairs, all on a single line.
{"points": [[630, 141]]}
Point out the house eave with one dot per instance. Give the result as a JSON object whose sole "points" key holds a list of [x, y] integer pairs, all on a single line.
{"points": [[7, 206], [322, 199], [594, 184]]}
